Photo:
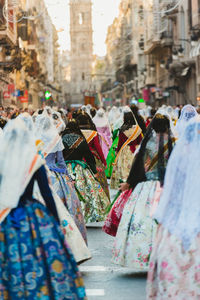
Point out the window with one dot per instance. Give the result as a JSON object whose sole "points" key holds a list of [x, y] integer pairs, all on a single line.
{"points": [[81, 18]]}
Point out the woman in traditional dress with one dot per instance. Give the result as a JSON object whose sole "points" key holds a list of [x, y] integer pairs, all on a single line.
{"points": [[187, 113], [129, 138], [175, 261], [72, 233], [102, 124], [81, 167], [35, 262], [135, 234], [60, 179], [117, 123], [91, 135]]}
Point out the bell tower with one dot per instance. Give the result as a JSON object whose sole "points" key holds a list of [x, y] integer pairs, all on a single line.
{"points": [[81, 48]]}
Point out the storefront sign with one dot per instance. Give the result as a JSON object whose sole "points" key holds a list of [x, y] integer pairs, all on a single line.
{"points": [[24, 98], [6, 95]]}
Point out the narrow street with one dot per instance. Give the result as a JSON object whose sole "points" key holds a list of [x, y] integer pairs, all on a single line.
{"points": [[104, 280]]}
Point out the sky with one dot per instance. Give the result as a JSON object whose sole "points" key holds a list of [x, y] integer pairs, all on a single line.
{"points": [[104, 12]]}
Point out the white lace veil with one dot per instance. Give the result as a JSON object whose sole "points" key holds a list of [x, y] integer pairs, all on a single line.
{"points": [[171, 112], [113, 115], [179, 207], [47, 132], [17, 152], [27, 119], [188, 112], [100, 119], [58, 121]]}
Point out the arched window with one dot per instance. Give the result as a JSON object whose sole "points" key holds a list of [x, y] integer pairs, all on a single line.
{"points": [[81, 18]]}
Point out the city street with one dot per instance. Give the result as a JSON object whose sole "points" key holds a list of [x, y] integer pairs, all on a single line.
{"points": [[104, 280], [99, 128]]}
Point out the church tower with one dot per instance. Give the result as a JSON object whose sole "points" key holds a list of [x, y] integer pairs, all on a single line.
{"points": [[81, 48]]}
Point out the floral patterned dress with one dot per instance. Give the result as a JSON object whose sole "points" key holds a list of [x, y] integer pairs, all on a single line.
{"points": [[94, 201], [92, 139], [173, 273], [81, 166], [66, 192], [136, 231], [35, 261], [128, 141]]}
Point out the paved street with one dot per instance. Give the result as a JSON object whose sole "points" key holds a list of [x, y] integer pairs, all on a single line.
{"points": [[105, 280]]}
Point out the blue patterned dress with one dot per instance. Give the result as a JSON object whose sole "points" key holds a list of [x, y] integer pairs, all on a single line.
{"points": [[60, 181], [35, 262]]}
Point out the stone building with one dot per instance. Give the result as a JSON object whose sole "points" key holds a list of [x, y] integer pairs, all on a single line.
{"points": [[153, 50], [81, 48], [29, 54], [168, 45]]}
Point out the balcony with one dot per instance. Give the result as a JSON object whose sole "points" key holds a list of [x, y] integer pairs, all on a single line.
{"points": [[168, 5], [166, 38], [152, 43], [8, 30]]}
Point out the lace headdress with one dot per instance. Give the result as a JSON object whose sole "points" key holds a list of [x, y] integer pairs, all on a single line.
{"points": [[179, 208], [188, 112], [17, 153]]}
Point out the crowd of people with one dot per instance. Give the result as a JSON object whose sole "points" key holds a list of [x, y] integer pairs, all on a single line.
{"points": [[56, 172]]}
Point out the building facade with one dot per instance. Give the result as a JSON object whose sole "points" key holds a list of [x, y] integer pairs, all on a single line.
{"points": [[153, 51], [29, 56], [81, 48]]}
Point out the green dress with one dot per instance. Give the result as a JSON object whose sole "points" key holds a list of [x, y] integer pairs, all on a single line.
{"points": [[111, 155]]}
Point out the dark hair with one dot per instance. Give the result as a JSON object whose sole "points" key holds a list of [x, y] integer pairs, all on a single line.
{"points": [[137, 172], [129, 121], [139, 118], [160, 124], [134, 109], [55, 116], [75, 114], [85, 122], [14, 116], [93, 112], [72, 127], [3, 122], [40, 111], [153, 112]]}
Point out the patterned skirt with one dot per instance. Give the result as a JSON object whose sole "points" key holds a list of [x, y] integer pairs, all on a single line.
{"points": [[70, 199], [101, 176], [173, 273], [111, 158], [92, 196], [35, 262], [122, 168], [113, 219], [136, 231]]}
